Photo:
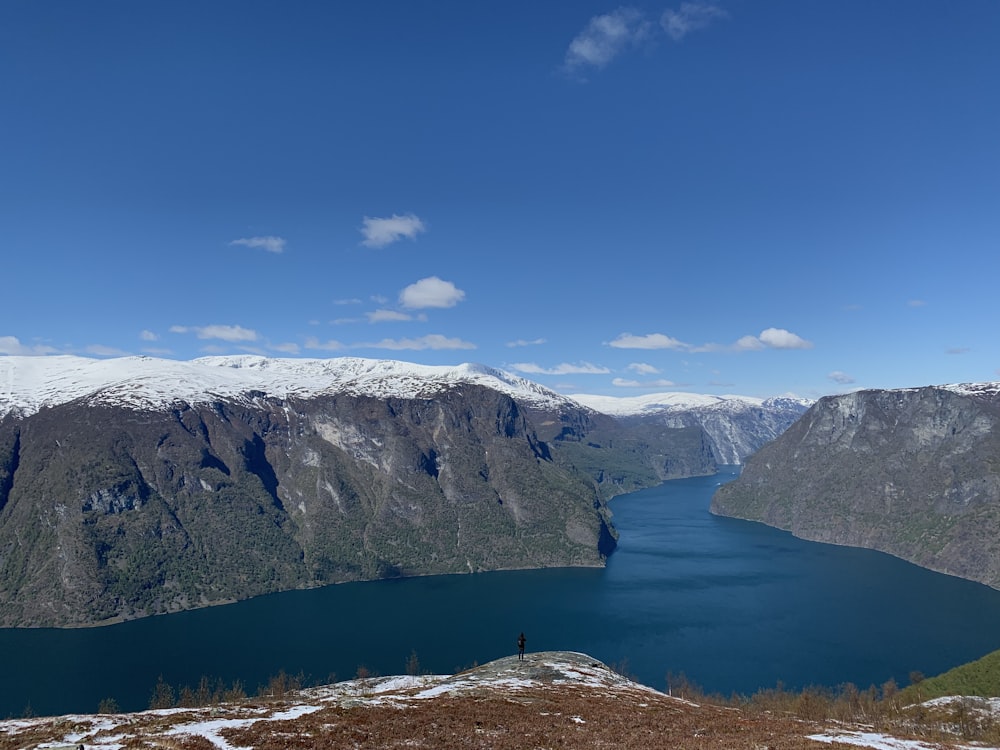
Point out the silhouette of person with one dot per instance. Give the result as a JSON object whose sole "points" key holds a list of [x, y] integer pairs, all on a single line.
{"points": [[520, 647]]}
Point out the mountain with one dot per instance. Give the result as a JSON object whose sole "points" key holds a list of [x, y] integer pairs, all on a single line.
{"points": [[736, 426], [912, 472], [137, 485], [550, 699]]}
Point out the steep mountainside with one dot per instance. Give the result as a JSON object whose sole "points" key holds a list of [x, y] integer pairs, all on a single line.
{"points": [[915, 473], [735, 426], [109, 512], [136, 486]]}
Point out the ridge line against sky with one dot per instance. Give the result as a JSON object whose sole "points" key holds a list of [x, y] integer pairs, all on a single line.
{"points": [[719, 197]]}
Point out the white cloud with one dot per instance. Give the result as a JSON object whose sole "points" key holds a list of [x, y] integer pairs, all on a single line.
{"points": [[958, 350], [625, 383], [690, 17], [288, 348], [431, 341], [605, 37], [779, 338], [643, 369], [271, 244], [381, 232], [12, 345], [772, 338], [584, 368], [148, 336], [522, 342], [431, 292], [916, 303], [331, 346], [352, 301], [222, 332], [840, 377], [649, 341], [384, 316], [749, 343]]}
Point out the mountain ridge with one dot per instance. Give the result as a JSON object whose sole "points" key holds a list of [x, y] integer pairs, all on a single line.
{"points": [[912, 472], [135, 486], [28, 383]]}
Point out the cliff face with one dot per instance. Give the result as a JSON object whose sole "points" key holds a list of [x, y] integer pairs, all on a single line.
{"points": [[110, 512], [136, 486], [620, 456], [915, 473], [734, 429]]}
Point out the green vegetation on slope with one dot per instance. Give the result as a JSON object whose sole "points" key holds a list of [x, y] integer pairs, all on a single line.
{"points": [[980, 677]]}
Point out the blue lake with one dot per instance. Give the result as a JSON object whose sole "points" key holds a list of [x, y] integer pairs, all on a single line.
{"points": [[734, 605]]}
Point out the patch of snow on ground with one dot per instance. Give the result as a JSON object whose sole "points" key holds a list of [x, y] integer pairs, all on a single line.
{"points": [[988, 706], [877, 741], [210, 730]]}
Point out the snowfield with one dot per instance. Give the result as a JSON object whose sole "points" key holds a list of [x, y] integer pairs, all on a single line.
{"points": [[28, 384]]}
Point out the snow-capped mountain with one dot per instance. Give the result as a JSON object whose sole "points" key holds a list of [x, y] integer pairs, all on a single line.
{"points": [[736, 426], [28, 384], [252, 475], [661, 403]]}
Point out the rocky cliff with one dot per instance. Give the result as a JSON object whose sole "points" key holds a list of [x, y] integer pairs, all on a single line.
{"points": [[108, 512], [735, 427], [915, 473], [136, 486]]}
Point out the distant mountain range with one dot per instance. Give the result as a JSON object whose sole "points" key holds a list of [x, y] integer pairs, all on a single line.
{"points": [[912, 472], [135, 486]]}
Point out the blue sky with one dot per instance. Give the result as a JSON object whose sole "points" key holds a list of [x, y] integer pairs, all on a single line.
{"points": [[733, 197]]}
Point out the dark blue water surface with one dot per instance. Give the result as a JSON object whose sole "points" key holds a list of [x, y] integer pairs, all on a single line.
{"points": [[734, 605]]}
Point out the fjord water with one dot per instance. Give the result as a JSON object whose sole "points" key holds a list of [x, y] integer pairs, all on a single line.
{"points": [[733, 605]]}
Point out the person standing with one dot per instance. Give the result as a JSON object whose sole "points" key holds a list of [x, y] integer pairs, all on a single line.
{"points": [[520, 646]]}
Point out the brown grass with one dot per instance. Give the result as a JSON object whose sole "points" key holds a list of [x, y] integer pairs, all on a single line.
{"points": [[546, 715], [569, 717]]}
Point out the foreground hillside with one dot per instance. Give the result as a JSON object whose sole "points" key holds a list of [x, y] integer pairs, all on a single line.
{"points": [[138, 486], [549, 700], [915, 473]]}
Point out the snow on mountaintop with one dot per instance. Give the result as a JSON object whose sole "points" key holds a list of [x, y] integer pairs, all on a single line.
{"points": [[974, 389], [28, 384], [651, 403]]}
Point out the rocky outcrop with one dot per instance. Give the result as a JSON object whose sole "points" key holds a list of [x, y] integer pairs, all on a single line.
{"points": [[915, 473]]}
